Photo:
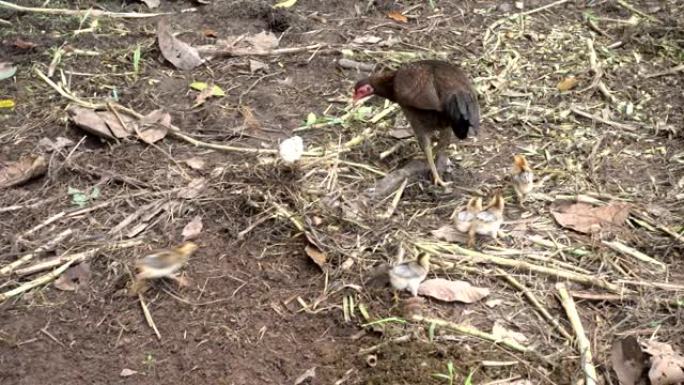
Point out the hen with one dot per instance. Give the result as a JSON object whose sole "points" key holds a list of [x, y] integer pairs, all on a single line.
{"points": [[435, 96]]}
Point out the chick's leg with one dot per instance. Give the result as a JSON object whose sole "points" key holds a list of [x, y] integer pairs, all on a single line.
{"points": [[424, 143]]}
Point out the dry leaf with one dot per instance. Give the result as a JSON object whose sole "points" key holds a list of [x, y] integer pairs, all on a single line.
{"points": [[180, 54], [306, 376], [667, 366], [156, 125], [195, 163], [492, 303], [249, 119], [316, 255], [449, 234], [102, 123], [192, 229], [567, 84], [585, 218], [23, 44], [22, 170], [255, 65], [629, 362], [193, 189], [7, 70], [397, 16], [59, 143], [367, 39], [127, 372], [75, 277], [263, 41], [400, 133], [450, 291], [500, 332], [209, 33]]}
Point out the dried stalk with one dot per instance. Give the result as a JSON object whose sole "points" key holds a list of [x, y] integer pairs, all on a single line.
{"points": [[79, 12], [583, 343]]}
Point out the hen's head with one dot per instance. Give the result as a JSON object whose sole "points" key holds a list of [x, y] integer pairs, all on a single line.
{"points": [[362, 89]]}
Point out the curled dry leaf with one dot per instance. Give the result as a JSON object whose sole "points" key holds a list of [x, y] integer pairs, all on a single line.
{"points": [[667, 365], [155, 126], [397, 16], [567, 84], [22, 170], [316, 255], [180, 54], [585, 218], [56, 145], [367, 39], [192, 229], [450, 291], [263, 41], [102, 123], [75, 277], [255, 65], [400, 133], [193, 189], [629, 362], [500, 332]]}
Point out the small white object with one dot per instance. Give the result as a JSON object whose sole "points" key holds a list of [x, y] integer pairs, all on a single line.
{"points": [[291, 149]]}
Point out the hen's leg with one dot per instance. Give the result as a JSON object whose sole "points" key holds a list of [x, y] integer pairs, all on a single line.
{"points": [[426, 146], [445, 137]]}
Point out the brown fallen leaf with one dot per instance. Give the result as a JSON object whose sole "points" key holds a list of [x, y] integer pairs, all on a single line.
{"points": [[450, 291], [102, 123], [75, 277], [208, 32], [249, 119], [193, 189], [182, 55], [22, 170], [502, 333], [155, 126], [317, 256], [263, 41], [585, 218], [256, 65], [400, 133], [23, 44], [192, 229], [397, 16], [567, 84], [50, 145], [195, 163], [667, 365], [629, 362]]}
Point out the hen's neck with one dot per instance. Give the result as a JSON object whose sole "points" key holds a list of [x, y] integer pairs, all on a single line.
{"points": [[383, 85]]}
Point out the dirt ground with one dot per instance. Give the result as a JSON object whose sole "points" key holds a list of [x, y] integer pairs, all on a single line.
{"points": [[258, 310]]}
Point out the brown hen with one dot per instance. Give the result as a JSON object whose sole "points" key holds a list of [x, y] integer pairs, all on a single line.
{"points": [[435, 96]]}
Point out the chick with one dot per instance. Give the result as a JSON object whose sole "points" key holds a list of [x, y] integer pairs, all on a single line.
{"points": [[409, 275], [523, 178], [163, 263], [488, 221], [465, 218]]}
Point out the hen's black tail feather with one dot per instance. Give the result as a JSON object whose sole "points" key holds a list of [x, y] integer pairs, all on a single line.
{"points": [[464, 113]]}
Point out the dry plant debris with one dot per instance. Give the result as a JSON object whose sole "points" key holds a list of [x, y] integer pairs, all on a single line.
{"points": [[296, 244]]}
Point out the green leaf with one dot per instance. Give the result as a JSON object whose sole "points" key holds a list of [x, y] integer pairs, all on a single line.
{"points": [[441, 375], [7, 103], [199, 86], [310, 119], [469, 379], [285, 4], [217, 91], [72, 191], [431, 331]]}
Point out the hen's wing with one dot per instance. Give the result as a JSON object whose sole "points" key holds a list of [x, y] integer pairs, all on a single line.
{"points": [[459, 99], [414, 86]]}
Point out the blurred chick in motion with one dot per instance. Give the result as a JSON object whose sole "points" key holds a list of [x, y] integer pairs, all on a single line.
{"points": [[464, 218], [523, 178], [409, 275], [489, 220], [163, 263]]}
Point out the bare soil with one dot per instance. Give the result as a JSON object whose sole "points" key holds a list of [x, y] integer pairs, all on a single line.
{"points": [[258, 310]]}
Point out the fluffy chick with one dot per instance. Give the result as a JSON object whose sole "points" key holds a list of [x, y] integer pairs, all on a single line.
{"points": [[409, 275], [523, 178], [162, 263], [489, 220], [465, 218]]}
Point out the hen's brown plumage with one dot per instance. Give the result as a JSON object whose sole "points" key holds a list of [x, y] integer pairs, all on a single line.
{"points": [[435, 96]]}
